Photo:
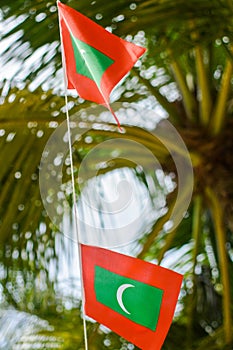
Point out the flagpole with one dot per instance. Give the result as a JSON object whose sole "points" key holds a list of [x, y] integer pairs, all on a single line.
{"points": [[73, 191], [76, 220]]}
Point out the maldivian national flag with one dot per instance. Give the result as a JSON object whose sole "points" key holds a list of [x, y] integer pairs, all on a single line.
{"points": [[132, 297], [95, 60]]}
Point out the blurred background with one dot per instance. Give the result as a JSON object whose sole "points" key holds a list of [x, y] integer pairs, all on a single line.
{"points": [[185, 78]]}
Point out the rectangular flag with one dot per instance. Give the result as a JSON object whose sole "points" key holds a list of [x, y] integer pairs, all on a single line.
{"points": [[134, 298], [95, 59]]}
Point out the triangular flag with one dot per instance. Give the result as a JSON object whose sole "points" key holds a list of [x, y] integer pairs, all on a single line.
{"points": [[132, 297], [95, 60]]}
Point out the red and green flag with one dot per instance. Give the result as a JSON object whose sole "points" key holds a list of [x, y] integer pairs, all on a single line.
{"points": [[95, 60], [132, 297]]}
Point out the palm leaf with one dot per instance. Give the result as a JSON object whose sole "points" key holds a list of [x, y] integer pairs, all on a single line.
{"points": [[188, 71]]}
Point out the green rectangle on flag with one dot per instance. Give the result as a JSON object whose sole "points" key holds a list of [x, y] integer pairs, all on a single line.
{"points": [[89, 61], [135, 300]]}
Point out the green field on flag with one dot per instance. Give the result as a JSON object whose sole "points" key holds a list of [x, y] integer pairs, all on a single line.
{"points": [[133, 299], [90, 62]]}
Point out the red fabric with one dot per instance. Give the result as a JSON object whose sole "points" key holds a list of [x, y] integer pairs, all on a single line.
{"points": [[124, 54], [154, 275]]}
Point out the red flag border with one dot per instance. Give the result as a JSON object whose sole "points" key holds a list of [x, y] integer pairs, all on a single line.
{"points": [[123, 53], [112, 261]]}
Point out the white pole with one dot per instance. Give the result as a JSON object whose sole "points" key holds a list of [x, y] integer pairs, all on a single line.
{"points": [[73, 191]]}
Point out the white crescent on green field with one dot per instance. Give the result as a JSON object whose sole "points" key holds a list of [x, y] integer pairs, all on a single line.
{"points": [[119, 295]]}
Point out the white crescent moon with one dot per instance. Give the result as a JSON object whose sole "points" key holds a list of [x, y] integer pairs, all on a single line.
{"points": [[119, 295]]}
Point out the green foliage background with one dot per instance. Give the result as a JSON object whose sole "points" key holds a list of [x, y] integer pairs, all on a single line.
{"points": [[187, 72]]}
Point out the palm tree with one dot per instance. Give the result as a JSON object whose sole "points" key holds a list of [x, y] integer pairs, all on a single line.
{"points": [[187, 72]]}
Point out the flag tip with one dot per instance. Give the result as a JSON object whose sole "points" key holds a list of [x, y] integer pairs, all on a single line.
{"points": [[121, 130], [115, 117]]}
